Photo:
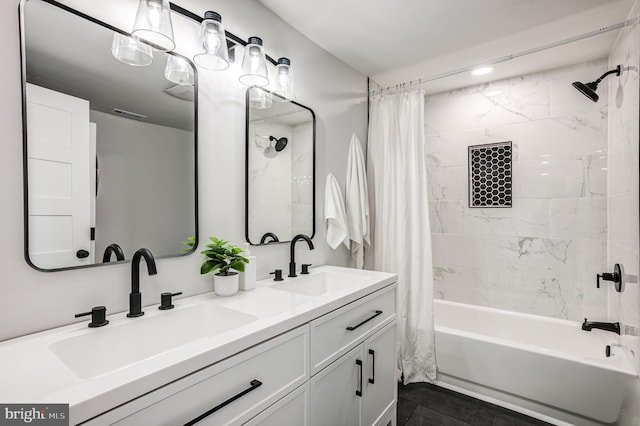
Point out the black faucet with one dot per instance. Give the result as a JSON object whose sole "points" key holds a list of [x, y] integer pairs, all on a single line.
{"points": [[614, 327], [292, 262], [135, 297], [115, 249]]}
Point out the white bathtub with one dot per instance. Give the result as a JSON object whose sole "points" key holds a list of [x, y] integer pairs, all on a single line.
{"points": [[544, 367]]}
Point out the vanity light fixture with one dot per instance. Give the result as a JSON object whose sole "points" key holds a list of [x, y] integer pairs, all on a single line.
{"points": [[153, 24], [284, 85], [214, 54], [154, 28], [179, 71], [482, 71], [254, 64], [130, 51]]}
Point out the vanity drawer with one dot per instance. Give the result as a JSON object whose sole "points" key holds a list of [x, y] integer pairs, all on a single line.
{"points": [[292, 410], [335, 333], [239, 387]]}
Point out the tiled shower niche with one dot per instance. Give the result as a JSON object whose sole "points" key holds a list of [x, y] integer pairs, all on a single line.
{"points": [[490, 172]]}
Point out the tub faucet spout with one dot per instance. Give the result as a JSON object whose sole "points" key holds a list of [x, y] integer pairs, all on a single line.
{"points": [[613, 327]]}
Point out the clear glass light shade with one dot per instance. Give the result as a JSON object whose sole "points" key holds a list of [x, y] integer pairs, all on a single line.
{"points": [[213, 44], [283, 83], [131, 52], [259, 98], [153, 24], [254, 66], [179, 71]]}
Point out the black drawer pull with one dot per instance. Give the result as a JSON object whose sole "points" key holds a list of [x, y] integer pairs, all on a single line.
{"points": [[353, 327], [255, 384], [359, 391], [373, 366]]}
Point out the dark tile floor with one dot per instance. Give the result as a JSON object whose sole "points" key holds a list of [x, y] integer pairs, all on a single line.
{"points": [[424, 404]]}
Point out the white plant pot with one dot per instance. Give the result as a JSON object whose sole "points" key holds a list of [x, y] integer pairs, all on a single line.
{"points": [[226, 285]]}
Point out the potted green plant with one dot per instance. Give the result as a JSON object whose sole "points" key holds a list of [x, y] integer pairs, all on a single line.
{"points": [[222, 257]]}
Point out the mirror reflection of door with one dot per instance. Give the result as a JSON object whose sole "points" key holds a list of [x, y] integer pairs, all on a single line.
{"points": [[59, 165], [84, 104]]}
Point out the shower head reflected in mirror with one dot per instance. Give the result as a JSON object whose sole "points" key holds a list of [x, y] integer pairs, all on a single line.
{"points": [[280, 143], [589, 89]]}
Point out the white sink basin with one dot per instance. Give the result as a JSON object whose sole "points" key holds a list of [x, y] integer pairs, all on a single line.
{"points": [[102, 350], [319, 283]]}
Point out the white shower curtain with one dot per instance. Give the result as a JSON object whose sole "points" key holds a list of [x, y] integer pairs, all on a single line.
{"points": [[401, 231]]}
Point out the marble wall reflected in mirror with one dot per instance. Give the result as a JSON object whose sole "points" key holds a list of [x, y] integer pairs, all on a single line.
{"points": [[280, 169], [110, 148]]}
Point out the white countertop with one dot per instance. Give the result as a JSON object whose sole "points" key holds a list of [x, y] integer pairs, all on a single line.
{"points": [[30, 371]]}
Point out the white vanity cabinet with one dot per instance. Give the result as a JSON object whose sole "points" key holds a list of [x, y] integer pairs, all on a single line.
{"points": [[353, 353], [335, 368], [229, 392]]}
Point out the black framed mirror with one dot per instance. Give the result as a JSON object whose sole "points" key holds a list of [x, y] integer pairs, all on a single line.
{"points": [[280, 170], [110, 143]]}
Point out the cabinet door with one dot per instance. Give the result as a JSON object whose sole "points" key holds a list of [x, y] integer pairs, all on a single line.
{"points": [[333, 391], [380, 387], [292, 410]]}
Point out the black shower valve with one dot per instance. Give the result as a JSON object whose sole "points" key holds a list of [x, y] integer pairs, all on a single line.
{"points": [[617, 277]]}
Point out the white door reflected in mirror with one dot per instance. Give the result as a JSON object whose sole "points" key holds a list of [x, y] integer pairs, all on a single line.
{"points": [[59, 167], [144, 144]]}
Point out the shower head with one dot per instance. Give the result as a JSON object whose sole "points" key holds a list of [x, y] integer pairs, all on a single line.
{"points": [[589, 89], [280, 143]]}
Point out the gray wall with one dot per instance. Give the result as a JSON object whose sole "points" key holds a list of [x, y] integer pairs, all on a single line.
{"points": [[147, 193], [36, 301]]}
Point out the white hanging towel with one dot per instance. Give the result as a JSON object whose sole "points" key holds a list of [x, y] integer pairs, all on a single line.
{"points": [[357, 202], [334, 214]]}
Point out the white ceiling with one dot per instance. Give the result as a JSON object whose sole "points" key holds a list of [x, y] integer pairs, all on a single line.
{"points": [[403, 40]]}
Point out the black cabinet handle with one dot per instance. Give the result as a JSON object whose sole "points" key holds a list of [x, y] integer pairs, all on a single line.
{"points": [[255, 384], [359, 391], [353, 327], [373, 366]]}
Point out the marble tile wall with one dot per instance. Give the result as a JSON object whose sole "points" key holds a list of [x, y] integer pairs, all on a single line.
{"points": [[302, 179], [269, 181], [624, 187], [281, 183], [540, 256]]}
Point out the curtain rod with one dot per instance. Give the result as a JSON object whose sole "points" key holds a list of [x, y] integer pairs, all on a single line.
{"points": [[420, 81]]}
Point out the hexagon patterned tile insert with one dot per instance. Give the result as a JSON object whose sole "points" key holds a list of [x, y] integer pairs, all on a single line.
{"points": [[490, 171]]}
